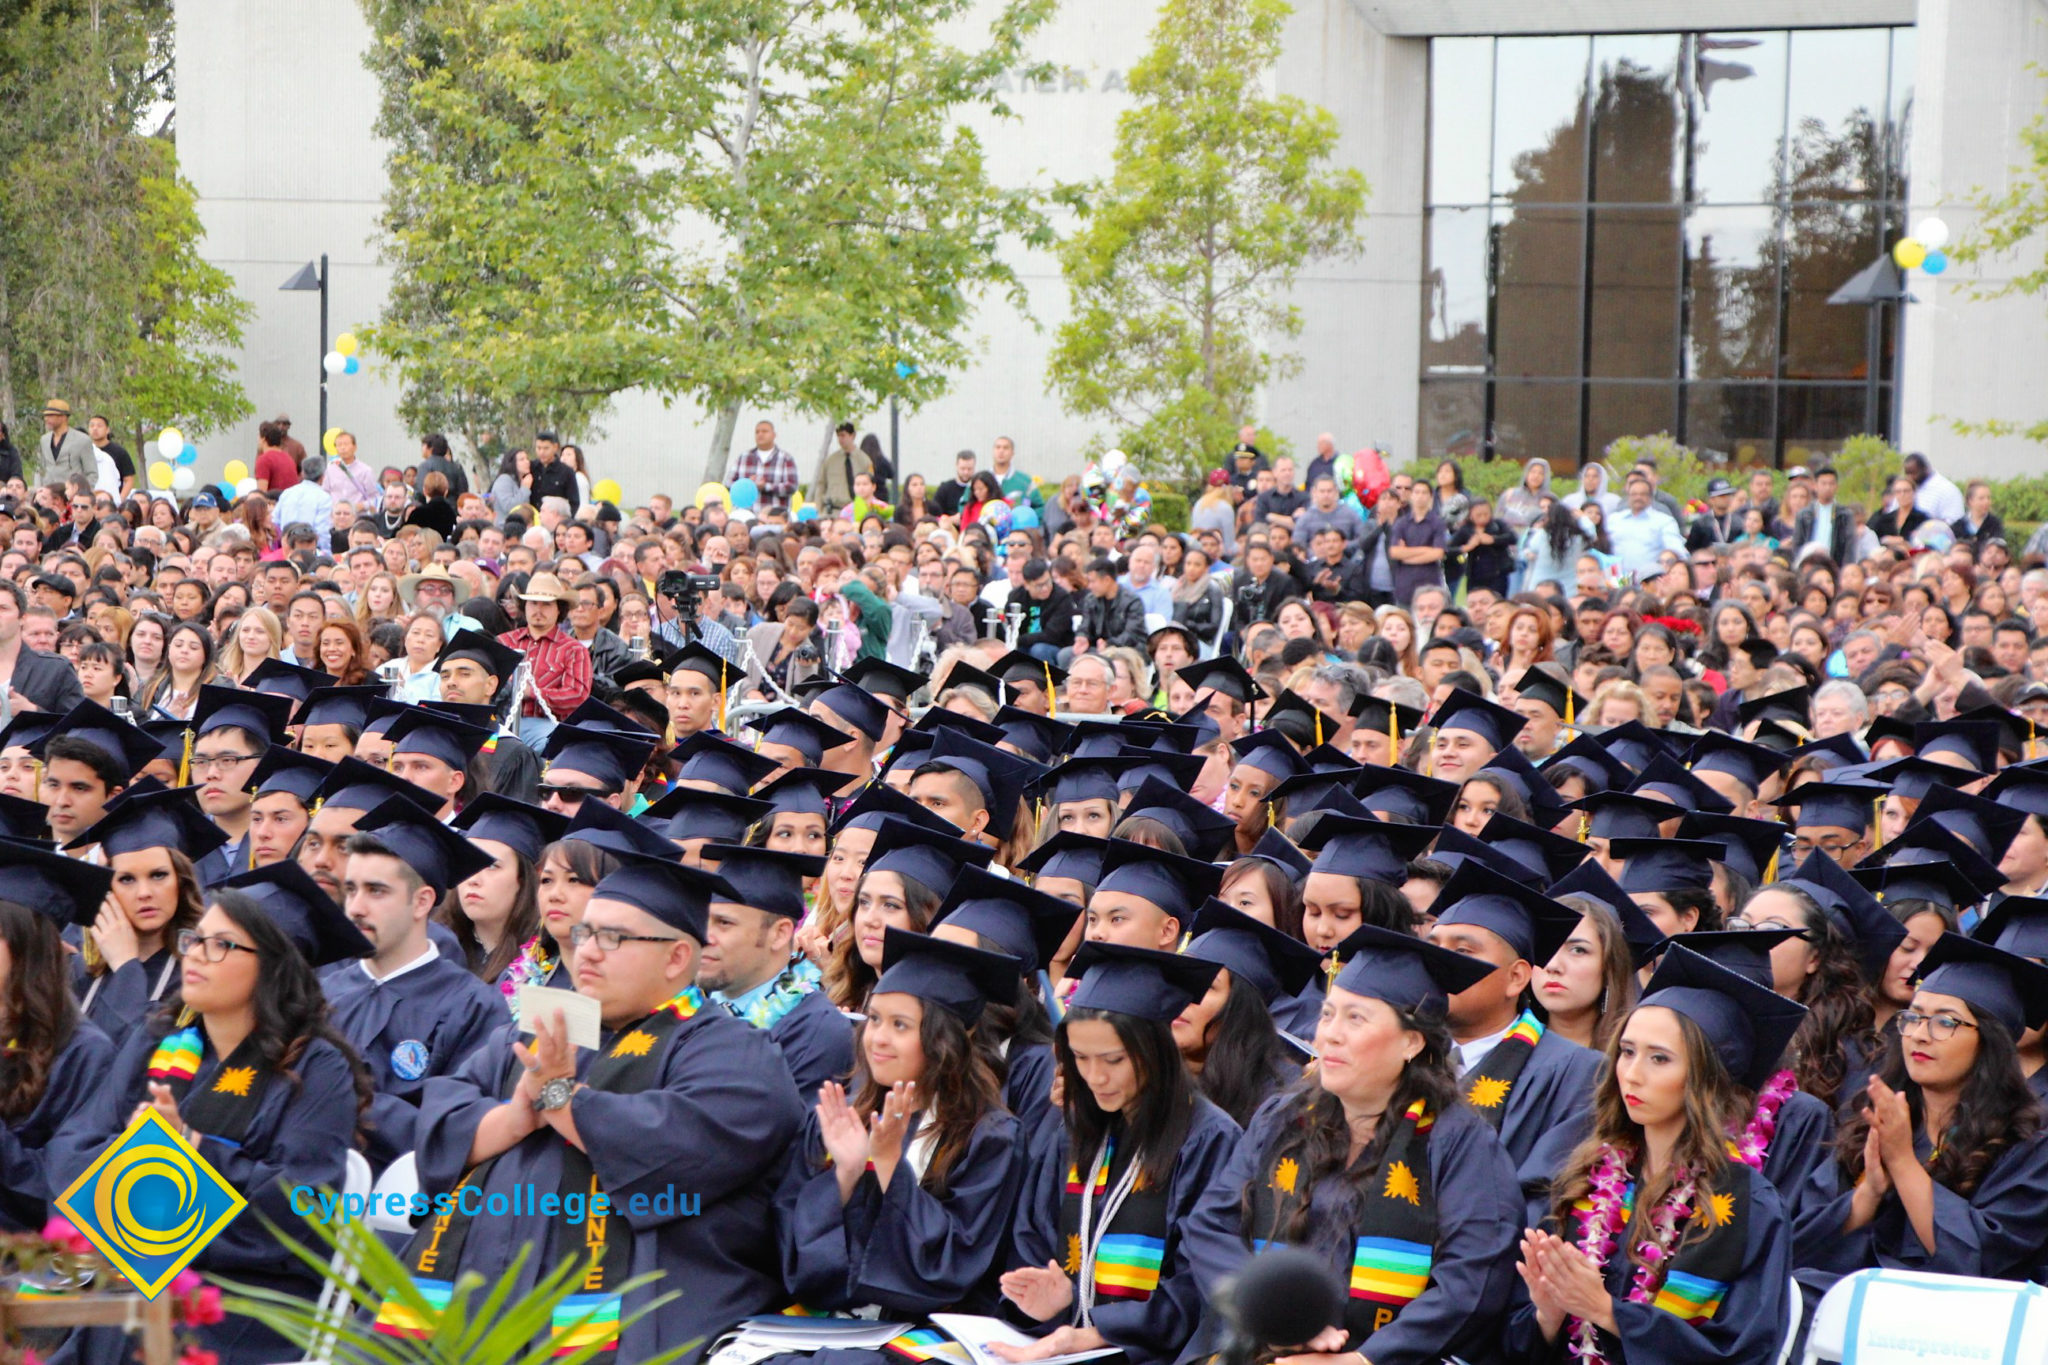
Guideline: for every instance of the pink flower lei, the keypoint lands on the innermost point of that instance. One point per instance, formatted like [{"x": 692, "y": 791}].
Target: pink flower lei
[
  {"x": 1606, "y": 1217},
  {"x": 531, "y": 967}
]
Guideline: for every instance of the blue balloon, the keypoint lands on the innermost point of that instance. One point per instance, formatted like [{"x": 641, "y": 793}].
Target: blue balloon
[
  {"x": 354, "y": 364},
  {"x": 1024, "y": 518},
  {"x": 807, "y": 513},
  {"x": 189, "y": 455},
  {"x": 745, "y": 493},
  {"x": 1935, "y": 263},
  {"x": 227, "y": 490}
]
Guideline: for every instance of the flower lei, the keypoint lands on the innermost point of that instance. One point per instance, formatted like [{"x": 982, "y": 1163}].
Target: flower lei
[
  {"x": 1606, "y": 1217},
  {"x": 532, "y": 967},
  {"x": 784, "y": 994}
]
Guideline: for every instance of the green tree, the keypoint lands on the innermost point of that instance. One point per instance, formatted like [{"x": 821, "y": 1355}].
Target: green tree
[
  {"x": 731, "y": 202},
  {"x": 2013, "y": 221},
  {"x": 1179, "y": 272},
  {"x": 104, "y": 297}
]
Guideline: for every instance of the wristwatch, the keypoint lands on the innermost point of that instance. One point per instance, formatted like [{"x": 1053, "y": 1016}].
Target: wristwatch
[{"x": 555, "y": 1094}]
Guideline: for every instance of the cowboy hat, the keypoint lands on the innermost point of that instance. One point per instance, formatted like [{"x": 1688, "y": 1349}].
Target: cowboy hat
[
  {"x": 408, "y": 586},
  {"x": 545, "y": 587}
]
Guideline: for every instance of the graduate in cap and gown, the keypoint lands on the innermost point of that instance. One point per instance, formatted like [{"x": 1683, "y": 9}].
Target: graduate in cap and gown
[
  {"x": 495, "y": 911},
  {"x": 411, "y": 1012},
  {"x": 1228, "y": 1038},
  {"x": 910, "y": 872},
  {"x": 691, "y": 818},
  {"x": 1521, "y": 1077},
  {"x": 850, "y": 839},
  {"x": 1838, "y": 971},
  {"x": 1944, "y": 1167},
  {"x": 870, "y": 708},
  {"x": 681, "y": 1118},
  {"x": 1360, "y": 864},
  {"x": 903, "y": 1182},
  {"x": 799, "y": 805},
  {"x": 1591, "y": 983},
  {"x": 1470, "y": 730},
  {"x": 129, "y": 955},
  {"x": 330, "y": 720},
  {"x": 749, "y": 967},
  {"x": 232, "y": 730},
  {"x": 981, "y": 789},
  {"x": 710, "y": 762},
  {"x": 1100, "y": 1257},
  {"x": 86, "y": 758},
  {"x": 241, "y": 1060},
  {"x": 58, "y": 1059},
  {"x": 1265, "y": 759},
  {"x": 796, "y": 739},
  {"x": 281, "y": 802},
  {"x": 436, "y": 752},
  {"x": 2019, "y": 925},
  {"x": 474, "y": 669},
  {"x": 1658, "y": 1243},
  {"x": 1266, "y": 885},
  {"x": 600, "y": 758},
  {"x": 1377, "y": 1164},
  {"x": 699, "y": 682}
]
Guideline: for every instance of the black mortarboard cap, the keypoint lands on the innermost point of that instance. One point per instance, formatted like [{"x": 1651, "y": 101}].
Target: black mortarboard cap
[
  {"x": 1221, "y": 674},
  {"x": 801, "y": 731},
  {"x": 1454, "y": 848},
  {"x": 929, "y": 859},
  {"x": 2018, "y": 924},
  {"x": 1312, "y": 791},
  {"x": 498, "y": 660},
  {"x": 441, "y": 857},
  {"x": 1600, "y": 770},
  {"x": 66, "y": 890},
  {"x": 287, "y": 680},
  {"x": 129, "y": 747},
  {"x": 2016, "y": 733},
  {"x": 2006, "y": 986},
  {"x": 1366, "y": 848},
  {"x": 1895, "y": 728},
  {"x": 697, "y": 657},
  {"x": 878, "y": 800},
  {"x": 1082, "y": 779},
  {"x": 911, "y": 749},
  {"x": 1746, "y": 845},
  {"x": 600, "y": 825},
  {"x": 1512, "y": 766},
  {"x": 1928, "y": 863},
  {"x": 165, "y": 818},
  {"x": 1668, "y": 778},
  {"x": 1173, "y": 883},
  {"x": 1539, "y": 685},
  {"x": 1831, "y": 752},
  {"x": 1019, "y": 667},
  {"x": 1140, "y": 982},
  {"x": 1665, "y": 864},
  {"x": 964, "y": 674},
  {"x": 1873, "y": 932},
  {"x": 27, "y": 729},
  {"x": 885, "y": 679},
  {"x": 708, "y": 757},
  {"x": 953, "y": 976},
  {"x": 1529, "y": 922},
  {"x": 1794, "y": 704},
  {"x": 693, "y": 813},
  {"x": 1136, "y": 767},
  {"x": 1281, "y": 851},
  {"x": 801, "y": 791},
  {"x": 1068, "y": 856},
  {"x": 974, "y": 727},
  {"x": 1837, "y": 804},
  {"x": 612, "y": 757},
  {"x": 1039, "y": 738},
  {"x": 441, "y": 737},
  {"x": 524, "y": 828},
  {"x": 1001, "y": 777},
  {"x": 21, "y": 818},
  {"x": 1635, "y": 743},
  {"x": 678, "y": 896},
  {"x": 1749, "y": 764},
  {"x": 1371, "y": 713},
  {"x": 1202, "y": 831},
  {"x": 1397, "y": 791},
  {"x": 1489, "y": 720},
  {"x": 1743, "y": 951},
  {"x": 2023, "y": 787},
  {"x": 263, "y": 714},
  {"x": 356, "y": 785},
  {"x": 1911, "y": 777},
  {"x": 855, "y": 707},
  {"x": 1986, "y": 826},
  {"x": 1974, "y": 741},
  {"x": 1294, "y": 716},
  {"x": 769, "y": 879},
  {"x": 1270, "y": 962},
  {"x": 288, "y": 770},
  {"x": 1547, "y": 855},
  {"x": 348, "y": 706},
  {"x": 1411, "y": 974},
  {"x": 307, "y": 915},
  {"x": 1270, "y": 752},
  {"x": 1103, "y": 738},
  {"x": 1026, "y": 924},
  {"x": 383, "y": 714},
  {"x": 1638, "y": 930},
  {"x": 1749, "y": 1025},
  {"x": 1623, "y": 815}
]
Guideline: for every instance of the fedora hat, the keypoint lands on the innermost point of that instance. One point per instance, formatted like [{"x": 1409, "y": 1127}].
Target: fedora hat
[
  {"x": 56, "y": 407},
  {"x": 545, "y": 587}
]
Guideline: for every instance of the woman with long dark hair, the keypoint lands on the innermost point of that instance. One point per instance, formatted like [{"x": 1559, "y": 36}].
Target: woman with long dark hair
[
  {"x": 495, "y": 912},
  {"x": 1375, "y": 1163},
  {"x": 1817, "y": 967},
  {"x": 1101, "y": 1242},
  {"x": 903, "y": 1190},
  {"x": 909, "y": 874},
  {"x": 1228, "y": 1038},
  {"x": 243, "y": 1062},
  {"x": 1944, "y": 1166},
  {"x": 1551, "y": 549},
  {"x": 567, "y": 871},
  {"x": 1660, "y": 1245},
  {"x": 1589, "y": 985}
]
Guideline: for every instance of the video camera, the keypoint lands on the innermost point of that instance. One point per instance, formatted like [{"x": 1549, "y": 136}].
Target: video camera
[{"x": 684, "y": 590}]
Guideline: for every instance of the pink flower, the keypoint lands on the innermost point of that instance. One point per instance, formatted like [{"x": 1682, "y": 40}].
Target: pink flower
[
  {"x": 202, "y": 1308},
  {"x": 193, "y": 1355},
  {"x": 185, "y": 1282},
  {"x": 61, "y": 1232}
]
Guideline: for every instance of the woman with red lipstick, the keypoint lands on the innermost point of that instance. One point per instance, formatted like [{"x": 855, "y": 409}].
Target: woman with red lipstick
[
  {"x": 1945, "y": 1165},
  {"x": 1660, "y": 1245},
  {"x": 910, "y": 872}
]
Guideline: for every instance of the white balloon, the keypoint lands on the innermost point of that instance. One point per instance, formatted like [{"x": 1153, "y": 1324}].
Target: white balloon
[
  {"x": 245, "y": 488},
  {"x": 1932, "y": 232},
  {"x": 183, "y": 477},
  {"x": 334, "y": 362}
]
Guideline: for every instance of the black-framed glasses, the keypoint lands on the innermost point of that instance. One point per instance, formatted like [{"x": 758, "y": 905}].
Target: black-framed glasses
[
  {"x": 1940, "y": 1027},
  {"x": 211, "y": 948},
  {"x": 610, "y": 939},
  {"x": 573, "y": 795},
  {"x": 208, "y": 762},
  {"x": 1740, "y": 925}
]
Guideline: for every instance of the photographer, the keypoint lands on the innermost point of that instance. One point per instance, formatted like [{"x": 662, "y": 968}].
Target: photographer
[
  {"x": 1258, "y": 587},
  {"x": 1048, "y": 612}
]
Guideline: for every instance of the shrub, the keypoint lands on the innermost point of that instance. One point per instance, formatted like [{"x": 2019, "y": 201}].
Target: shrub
[
  {"x": 1863, "y": 467},
  {"x": 1170, "y": 508},
  {"x": 2022, "y": 499}
]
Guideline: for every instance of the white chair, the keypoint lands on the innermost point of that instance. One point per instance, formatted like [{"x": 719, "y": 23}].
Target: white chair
[
  {"x": 335, "y": 1304},
  {"x": 1936, "y": 1319},
  {"x": 401, "y": 1180},
  {"x": 1210, "y": 649}
]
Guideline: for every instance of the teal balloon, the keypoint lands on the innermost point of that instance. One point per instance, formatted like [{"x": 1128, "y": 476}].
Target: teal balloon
[
  {"x": 354, "y": 365},
  {"x": 227, "y": 490},
  {"x": 807, "y": 513},
  {"x": 745, "y": 492},
  {"x": 189, "y": 455},
  {"x": 1351, "y": 501},
  {"x": 1935, "y": 263}
]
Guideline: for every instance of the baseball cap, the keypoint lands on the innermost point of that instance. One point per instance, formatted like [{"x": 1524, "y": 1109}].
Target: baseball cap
[{"x": 1718, "y": 487}]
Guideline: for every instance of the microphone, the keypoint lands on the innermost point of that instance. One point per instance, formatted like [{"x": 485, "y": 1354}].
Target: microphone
[{"x": 1282, "y": 1297}]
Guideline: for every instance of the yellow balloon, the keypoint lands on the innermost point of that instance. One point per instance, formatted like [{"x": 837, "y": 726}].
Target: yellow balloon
[
  {"x": 713, "y": 491},
  {"x": 1909, "y": 253},
  {"x": 347, "y": 344},
  {"x": 327, "y": 439},
  {"x": 796, "y": 503},
  {"x": 234, "y": 471},
  {"x": 607, "y": 490},
  {"x": 160, "y": 475}
]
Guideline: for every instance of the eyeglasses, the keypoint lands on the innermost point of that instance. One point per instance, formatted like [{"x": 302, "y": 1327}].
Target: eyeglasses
[
  {"x": 573, "y": 795},
  {"x": 208, "y": 762},
  {"x": 1742, "y": 926},
  {"x": 610, "y": 939},
  {"x": 1940, "y": 1027},
  {"x": 1834, "y": 848},
  {"x": 210, "y": 949}
]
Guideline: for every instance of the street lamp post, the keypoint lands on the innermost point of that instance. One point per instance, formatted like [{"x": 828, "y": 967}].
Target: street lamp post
[{"x": 311, "y": 277}]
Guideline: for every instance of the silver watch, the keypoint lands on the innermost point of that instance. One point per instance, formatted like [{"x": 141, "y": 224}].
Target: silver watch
[{"x": 555, "y": 1094}]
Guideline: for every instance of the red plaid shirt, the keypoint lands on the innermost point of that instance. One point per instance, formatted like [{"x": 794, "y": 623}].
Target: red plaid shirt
[
  {"x": 773, "y": 473},
  {"x": 561, "y": 670}
]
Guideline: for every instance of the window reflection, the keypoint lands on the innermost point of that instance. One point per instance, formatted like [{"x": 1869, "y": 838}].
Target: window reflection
[
  {"x": 1536, "y": 419},
  {"x": 1739, "y": 112},
  {"x": 1614, "y": 410},
  {"x": 1539, "y": 126},
  {"x": 1460, "y": 119},
  {"x": 1539, "y": 259},
  {"x": 1837, "y": 110},
  {"x": 1734, "y": 293},
  {"x": 1638, "y": 121},
  {"x": 1454, "y": 291},
  {"x": 1824, "y": 245},
  {"x": 1740, "y": 420},
  {"x": 1634, "y": 321},
  {"x": 1453, "y": 417}
]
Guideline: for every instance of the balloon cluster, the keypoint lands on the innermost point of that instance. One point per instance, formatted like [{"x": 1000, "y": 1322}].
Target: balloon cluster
[
  {"x": 743, "y": 495},
  {"x": 1364, "y": 475},
  {"x": 172, "y": 470},
  {"x": 1923, "y": 250},
  {"x": 343, "y": 358},
  {"x": 1113, "y": 489}
]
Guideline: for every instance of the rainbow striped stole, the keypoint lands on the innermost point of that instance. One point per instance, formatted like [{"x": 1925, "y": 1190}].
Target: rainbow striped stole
[
  {"x": 177, "y": 1057},
  {"x": 1691, "y": 1298},
  {"x": 1488, "y": 1085},
  {"x": 1389, "y": 1270},
  {"x": 1710, "y": 1252},
  {"x": 396, "y": 1319},
  {"x": 1127, "y": 1265},
  {"x": 1528, "y": 1029},
  {"x": 683, "y": 1004},
  {"x": 928, "y": 1343},
  {"x": 584, "y": 1320},
  {"x": 1074, "y": 1184}
]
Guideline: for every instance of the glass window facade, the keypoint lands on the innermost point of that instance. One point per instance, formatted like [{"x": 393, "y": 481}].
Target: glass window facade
[{"x": 1639, "y": 232}]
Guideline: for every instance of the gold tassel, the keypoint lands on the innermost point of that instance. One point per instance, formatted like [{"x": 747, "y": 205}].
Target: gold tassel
[
  {"x": 1187, "y": 937},
  {"x": 1331, "y": 969},
  {"x": 1585, "y": 827},
  {"x": 90, "y": 951},
  {"x": 1319, "y": 725},
  {"x": 1270, "y": 822},
  {"x": 721, "y": 692},
  {"x": 1052, "y": 705},
  {"x": 1876, "y": 823},
  {"x": 1771, "y": 868},
  {"x": 1393, "y": 737},
  {"x": 186, "y": 1016},
  {"x": 185, "y": 762}
]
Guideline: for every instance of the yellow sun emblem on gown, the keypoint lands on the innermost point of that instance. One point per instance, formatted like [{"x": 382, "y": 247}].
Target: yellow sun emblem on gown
[
  {"x": 638, "y": 1043},
  {"x": 1284, "y": 1174},
  {"x": 1487, "y": 1092},
  {"x": 1073, "y": 1255},
  {"x": 235, "y": 1080},
  {"x": 1717, "y": 1212},
  {"x": 1401, "y": 1184}
]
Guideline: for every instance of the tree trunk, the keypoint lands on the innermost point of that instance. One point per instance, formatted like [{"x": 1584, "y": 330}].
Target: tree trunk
[
  {"x": 720, "y": 454},
  {"x": 7, "y": 406}
]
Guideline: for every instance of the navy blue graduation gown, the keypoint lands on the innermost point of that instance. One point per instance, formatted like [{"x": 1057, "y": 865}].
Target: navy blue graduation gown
[
  {"x": 718, "y": 1128},
  {"x": 300, "y": 1135},
  {"x": 1152, "y": 1330},
  {"x": 1298, "y": 1015},
  {"x": 817, "y": 1041},
  {"x": 1745, "y": 1329},
  {"x": 1997, "y": 1232},
  {"x": 2038, "y": 1083},
  {"x": 1479, "y": 1221},
  {"x": 76, "y": 1076},
  {"x": 1027, "y": 1085},
  {"x": 217, "y": 866},
  {"x": 117, "y": 1001},
  {"x": 421, "y": 1024},
  {"x": 907, "y": 1250},
  {"x": 1554, "y": 1089}
]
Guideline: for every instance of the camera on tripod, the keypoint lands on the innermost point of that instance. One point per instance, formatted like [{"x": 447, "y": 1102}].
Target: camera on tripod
[{"x": 685, "y": 590}]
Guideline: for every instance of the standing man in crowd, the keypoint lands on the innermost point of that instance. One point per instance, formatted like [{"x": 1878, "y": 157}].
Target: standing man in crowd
[{"x": 772, "y": 469}]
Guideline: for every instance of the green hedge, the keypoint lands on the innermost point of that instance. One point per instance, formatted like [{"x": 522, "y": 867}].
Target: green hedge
[{"x": 1170, "y": 508}]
